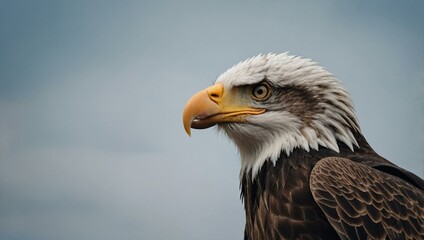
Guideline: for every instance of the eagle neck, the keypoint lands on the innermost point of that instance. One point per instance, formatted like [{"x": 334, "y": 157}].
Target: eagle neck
[{"x": 362, "y": 152}]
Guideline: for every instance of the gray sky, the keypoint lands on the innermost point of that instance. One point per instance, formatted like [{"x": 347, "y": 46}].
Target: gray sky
[{"x": 91, "y": 95}]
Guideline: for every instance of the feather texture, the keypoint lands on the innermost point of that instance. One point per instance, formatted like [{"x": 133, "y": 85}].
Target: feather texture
[
  {"x": 307, "y": 171},
  {"x": 360, "y": 201},
  {"x": 322, "y": 194}
]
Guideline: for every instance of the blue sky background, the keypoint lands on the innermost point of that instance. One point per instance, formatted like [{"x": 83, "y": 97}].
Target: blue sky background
[{"x": 91, "y": 95}]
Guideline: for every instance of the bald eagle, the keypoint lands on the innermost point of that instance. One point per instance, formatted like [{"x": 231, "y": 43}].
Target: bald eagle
[{"x": 307, "y": 171}]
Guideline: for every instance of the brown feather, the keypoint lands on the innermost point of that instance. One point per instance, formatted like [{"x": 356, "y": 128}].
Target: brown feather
[
  {"x": 350, "y": 198},
  {"x": 403, "y": 204}
]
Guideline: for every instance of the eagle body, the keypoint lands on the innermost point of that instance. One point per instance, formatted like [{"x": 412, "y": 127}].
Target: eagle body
[
  {"x": 279, "y": 203},
  {"x": 307, "y": 172}
]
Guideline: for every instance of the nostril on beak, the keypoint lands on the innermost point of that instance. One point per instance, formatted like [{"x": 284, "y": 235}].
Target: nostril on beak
[
  {"x": 215, "y": 97},
  {"x": 215, "y": 93}
]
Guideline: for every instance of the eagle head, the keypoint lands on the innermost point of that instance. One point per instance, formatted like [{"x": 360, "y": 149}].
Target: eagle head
[{"x": 271, "y": 104}]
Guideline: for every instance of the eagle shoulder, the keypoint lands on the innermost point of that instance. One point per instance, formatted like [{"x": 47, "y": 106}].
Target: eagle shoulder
[{"x": 359, "y": 201}]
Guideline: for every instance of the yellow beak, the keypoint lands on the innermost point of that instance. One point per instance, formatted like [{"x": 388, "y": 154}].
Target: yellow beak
[{"x": 213, "y": 105}]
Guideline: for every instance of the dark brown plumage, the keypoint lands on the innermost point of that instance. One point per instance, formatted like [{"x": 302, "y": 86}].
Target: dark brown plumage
[
  {"x": 324, "y": 194},
  {"x": 307, "y": 171}
]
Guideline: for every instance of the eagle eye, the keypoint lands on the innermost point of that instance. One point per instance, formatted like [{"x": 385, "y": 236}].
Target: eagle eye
[{"x": 261, "y": 91}]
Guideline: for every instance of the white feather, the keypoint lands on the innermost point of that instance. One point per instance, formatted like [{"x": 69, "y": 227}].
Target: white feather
[{"x": 264, "y": 137}]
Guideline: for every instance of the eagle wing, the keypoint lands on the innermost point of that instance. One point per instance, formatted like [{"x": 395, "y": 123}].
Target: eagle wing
[{"x": 361, "y": 202}]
